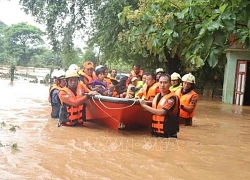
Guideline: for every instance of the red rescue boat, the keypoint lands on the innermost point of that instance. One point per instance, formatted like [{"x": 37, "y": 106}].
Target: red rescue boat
[{"x": 117, "y": 113}]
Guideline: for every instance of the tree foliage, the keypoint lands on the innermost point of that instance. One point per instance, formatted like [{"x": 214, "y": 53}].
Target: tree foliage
[
  {"x": 22, "y": 41},
  {"x": 198, "y": 31}
]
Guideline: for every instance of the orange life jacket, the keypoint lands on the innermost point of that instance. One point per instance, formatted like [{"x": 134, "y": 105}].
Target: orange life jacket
[
  {"x": 70, "y": 115},
  {"x": 108, "y": 80},
  {"x": 152, "y": 91},
  {"x": 168, "y": 124},
  {"x": 185, "y": 100},
  {"x": 132, "y": 73},
  {"x": 88, "y": 80}
]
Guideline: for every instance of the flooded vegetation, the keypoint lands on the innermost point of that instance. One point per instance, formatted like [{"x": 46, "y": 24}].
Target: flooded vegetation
[{"x": 33, "y": 147}]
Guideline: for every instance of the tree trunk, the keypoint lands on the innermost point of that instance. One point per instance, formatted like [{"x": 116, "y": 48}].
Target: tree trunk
[{"x": 172, "y": 64}]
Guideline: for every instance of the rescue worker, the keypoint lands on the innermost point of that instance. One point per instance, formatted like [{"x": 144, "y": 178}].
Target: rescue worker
[
  {"x": 73, "y": 98},
  {"x": 149, "y": 91},
  {"x": 175, "y": 81},
  {"x": 165, "y": 110},
  {"x": 158, "y": 73},
  {"x": 188, "y": 99},
  {"x": 59, "y": 83},
  {"x": 87, "y": 74},
  {"x": 134, "y": 73}
]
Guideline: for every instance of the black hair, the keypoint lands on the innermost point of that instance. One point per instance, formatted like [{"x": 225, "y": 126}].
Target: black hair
[
  {"x": 152, "y": 75},
  {"x": 166, "y": 75},
  {"x": 100, "y": 70}
]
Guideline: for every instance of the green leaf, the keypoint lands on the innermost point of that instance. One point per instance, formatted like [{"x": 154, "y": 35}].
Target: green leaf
[
  {"x": 248, "y": 24},
  {"x": 168, "y": 32},
  {"x": 213, "y": 58},
  {"x": 208, "y": 40},
  {"x": 222, "y": 8}
]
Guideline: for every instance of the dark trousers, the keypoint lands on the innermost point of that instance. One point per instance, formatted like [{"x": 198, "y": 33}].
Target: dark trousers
[{"x": 186, "y": 121}]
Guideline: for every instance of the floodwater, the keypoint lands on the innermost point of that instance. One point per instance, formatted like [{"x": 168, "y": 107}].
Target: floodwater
[{"x": 217, "y": 146}]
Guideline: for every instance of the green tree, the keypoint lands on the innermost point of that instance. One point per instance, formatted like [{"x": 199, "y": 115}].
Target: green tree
[
  {"x": 195, "y": 31},
  {"x": 22, "y": 41},
  {"x": 2, "y": 51}
]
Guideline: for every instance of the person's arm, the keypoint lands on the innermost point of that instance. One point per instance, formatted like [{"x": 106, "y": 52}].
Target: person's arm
[
  {"x": 64, "y": 97},
  {"x": 161, "y": 112},
  {"x": 192, "y": 104}
]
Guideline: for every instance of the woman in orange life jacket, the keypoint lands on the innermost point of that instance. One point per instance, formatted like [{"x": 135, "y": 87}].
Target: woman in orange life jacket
[
  {"x": 73, "y": 98},
  {"x": 87, "y": 74},
  {"x": 188, "y": 99},
  {"x": 165, "y": 110},
  {"x": 59, "y": 83}
]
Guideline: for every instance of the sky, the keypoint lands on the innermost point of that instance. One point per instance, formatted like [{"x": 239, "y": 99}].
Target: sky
[{"x": 11, "y": 13}]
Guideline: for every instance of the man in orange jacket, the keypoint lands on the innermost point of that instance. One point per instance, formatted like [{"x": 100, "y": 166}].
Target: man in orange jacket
[
  {"x": 188, "y": 99},
  {"x": 73, "y": 98},
  {"x": 165, "y": 110},
  {"x": 87, "y": 74}
]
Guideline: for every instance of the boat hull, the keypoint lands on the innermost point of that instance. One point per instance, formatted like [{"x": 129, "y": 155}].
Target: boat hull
[{"x": 117, "y": 113}]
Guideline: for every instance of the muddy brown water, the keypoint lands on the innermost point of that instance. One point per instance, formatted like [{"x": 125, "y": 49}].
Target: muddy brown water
[{"x": 216, "y": 147}]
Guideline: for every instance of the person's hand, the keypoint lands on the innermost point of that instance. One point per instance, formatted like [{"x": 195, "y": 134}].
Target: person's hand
[
  {"x": 92, "y": 93},
  {"x": 142, "y": 102}
]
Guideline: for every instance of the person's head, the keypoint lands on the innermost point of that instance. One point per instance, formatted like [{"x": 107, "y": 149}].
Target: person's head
[
  {"x": 158, "y": 73},
  {"x": 137, "y": 69},
  {"x": 113, "y": 73},
  {"x": 88, "y": 67},
  {"x": 150, "y": 79},
  {"x": 188, "y": 81},
  {"x": 59, "y": 78},
  {"x": 139, "y": 77},
  {"x": 100, "y": 73},
  {"x": 72, "y": 78},
  {"x": 175, "y": 79},
  {"x": 164, "y": 83},
  {"x": 144, "y": 76}
]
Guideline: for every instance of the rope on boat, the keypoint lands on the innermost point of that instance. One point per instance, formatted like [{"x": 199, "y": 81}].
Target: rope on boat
[
  {"x": 120, "y": 124},
  {"x": 114, "y": 108}
]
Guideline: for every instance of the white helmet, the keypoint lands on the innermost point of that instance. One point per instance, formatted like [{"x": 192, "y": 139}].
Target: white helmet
[
  {"x": 60, "y": 74},
  {"x": 54, "y": 74},
  {"x": 74, "y": 67},
  {"x": 159, "y": 70},
  {"x": 175, "y": 76},
  {"x": 100, "y": 66},
  {"x": 188, "y": 78},
  {"x": 71, "y": 73}
]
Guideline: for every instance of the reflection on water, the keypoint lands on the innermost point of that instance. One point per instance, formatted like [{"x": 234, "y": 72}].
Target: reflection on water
[{"x": 216, "y": 147}]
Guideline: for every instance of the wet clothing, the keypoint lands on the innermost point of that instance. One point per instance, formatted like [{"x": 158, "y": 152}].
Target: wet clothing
[
  {"x": 72, "y": 115},
  {"x": 188, "y": 101},
  {"x": 167, "y": 125},
  {"x": 54, "y": 100},
  {"x": 101, "y": 86}
]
